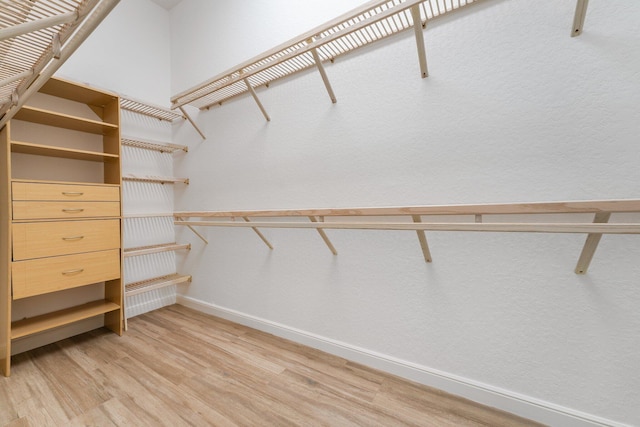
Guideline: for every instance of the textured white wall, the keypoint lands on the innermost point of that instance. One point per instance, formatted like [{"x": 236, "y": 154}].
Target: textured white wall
[
  {"x": 128, "y": 53},
  {"x": 514, "y": 110}
]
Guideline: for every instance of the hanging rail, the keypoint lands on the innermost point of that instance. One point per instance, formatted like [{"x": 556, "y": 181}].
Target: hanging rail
[
  {"x": 594, "y": 230},
  {"x": 368, "y": 23}
]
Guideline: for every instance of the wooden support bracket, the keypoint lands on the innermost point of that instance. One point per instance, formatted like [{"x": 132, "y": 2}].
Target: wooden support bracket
[
  {"x": 423, "y": 240},
  {"x": 264, "y": 239},
  {"x": 193, "y": 123},
  {"x": 255, "y": 98},
  {"x": 591, "y": 244},
  {"x": 323, "y": 73},
  {"x": 324, "y": 237},
  {"x": 195, "y": 232},
  {"x": 417, "y": 28},
  {"x": 579, "y": 17}
]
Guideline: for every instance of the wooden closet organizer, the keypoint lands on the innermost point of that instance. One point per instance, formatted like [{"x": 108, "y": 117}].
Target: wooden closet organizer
[
  {"x": 36, "y": 38},
  {"x": 411, "y": 218},
  {"x": 369, "y": 23},
  {"x": 166, "y": 115},
  {"x": 60, "y": 234}
]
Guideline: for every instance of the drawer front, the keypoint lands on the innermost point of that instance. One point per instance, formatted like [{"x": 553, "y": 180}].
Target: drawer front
[
  {"x": 45, "y": 239},
  {"x": 62, "y": 192},
  {"x": 41, "y": 276},
  {"x": 64, "y": 210}
]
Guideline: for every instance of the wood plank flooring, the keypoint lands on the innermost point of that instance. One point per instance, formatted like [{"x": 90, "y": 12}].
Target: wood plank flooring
[{"x": 178, "y": 367}]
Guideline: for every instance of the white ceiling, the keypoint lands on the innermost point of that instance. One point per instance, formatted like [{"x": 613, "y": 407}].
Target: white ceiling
[{"x": 167, "y": 4}]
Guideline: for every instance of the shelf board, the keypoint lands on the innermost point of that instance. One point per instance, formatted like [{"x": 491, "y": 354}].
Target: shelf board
[
  {"x": 62, "y": 152},
  {"x": 46, "y": 181},
  {"x": 147, "y": 215},
  {"x": 154, "y": 249},
  {"x": 61, "y": 88},
  {"x": 33, "y": 325},
  {"x": 154, "y": 146},
  {"x": 52, "y": 118},
  {"x": 150, "y": 110},
  {"x": 155, "y": 283},
  {"x": 155, "y": 179}
]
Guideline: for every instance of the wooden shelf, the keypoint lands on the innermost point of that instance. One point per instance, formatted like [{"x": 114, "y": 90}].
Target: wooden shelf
[
  {"x": 410, "y": 218},
  {"x": 52, "y": 118},
  {"x": 150, "y": 110},
  {"x": 154, "y": 146},
  {"x": 62, "y": 88},
  {"x": 66, "y": 153},
  {"x": 155, "y": 283},
  {"x": 33, "y": 325},
  {"x": 371, "y": 22},
  {"x": 154, "y": 249},
  {"x": 155, "y": 179}
]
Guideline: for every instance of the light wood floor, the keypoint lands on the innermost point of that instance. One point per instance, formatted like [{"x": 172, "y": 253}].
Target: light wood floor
[{"x": 176, "y": 367}]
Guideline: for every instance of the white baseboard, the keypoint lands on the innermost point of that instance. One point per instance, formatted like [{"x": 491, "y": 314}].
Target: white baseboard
[{"x": 515, "y": 403}]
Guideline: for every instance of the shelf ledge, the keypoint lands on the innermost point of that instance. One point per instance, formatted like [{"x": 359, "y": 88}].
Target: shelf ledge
[
  {"x": 412, "y": 215},
  {"x": 33, "y": 325},
  {"x": 154, "y": 146},
  {"x": 154, "y": 249},
  {"x": 155, "y": 179},
  {"x": 61, "y": 152},
  {"x": 155, "y": 283}
]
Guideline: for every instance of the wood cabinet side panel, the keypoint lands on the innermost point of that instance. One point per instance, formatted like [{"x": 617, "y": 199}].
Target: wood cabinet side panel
[{"x": 5, "y": 250}]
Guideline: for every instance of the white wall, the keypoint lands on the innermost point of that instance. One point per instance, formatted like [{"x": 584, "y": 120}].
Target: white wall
[
  {"x": 128, "y": 53},
  {"x": 514, "y": 110}
]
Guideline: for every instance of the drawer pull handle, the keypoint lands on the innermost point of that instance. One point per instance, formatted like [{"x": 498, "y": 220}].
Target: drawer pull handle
[
  {"x": 72, "y": 193},
  {"x": 76, "y": 271},
  {"x": 73, "y": 210},
  {"x": 67, "y": 239}
]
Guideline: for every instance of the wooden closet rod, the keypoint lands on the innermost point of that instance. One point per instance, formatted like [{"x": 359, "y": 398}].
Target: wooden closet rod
[
  {"x": 413, "y": 214},
  {"x": 566, "y": 207}
]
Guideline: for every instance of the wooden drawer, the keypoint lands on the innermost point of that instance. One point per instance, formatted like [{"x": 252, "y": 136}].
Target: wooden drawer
[
  {"x": 45, "y": 239},
  {"x": 41, "y": 276},
  {"x": 62, "y": 192},
  {"x": 64, "y": 210}
]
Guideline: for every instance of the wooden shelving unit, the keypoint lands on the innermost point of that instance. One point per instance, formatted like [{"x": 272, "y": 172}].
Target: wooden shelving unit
[
  {"x": 65, "y": 153},
  {"x": 38, "y": 37},
  {"x": 410, "y": 218},
  {"x": 367, "y": 24},
  {"x": 162, "y": 114},
  {"x": 60, "y": 234},
  {"x": 34, "y": 325}
]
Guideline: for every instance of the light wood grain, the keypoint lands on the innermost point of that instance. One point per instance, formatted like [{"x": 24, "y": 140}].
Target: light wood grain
[
  {"x": 47, "y": 321},
  {"x": 61, "y": 120},
  {"x": 44, "y": 275},
  {"x": 64, "y": 210},
  {"x": 591, "y": 244},
  {"x": 5, "y": 249},
  {"x": 78, "y": 92},
  {"x": 176, "y": 366},
  {"x": 582, "y": 206},
  {"x": 44, "y": 239},
  {"x": 41, "y": 191}
]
